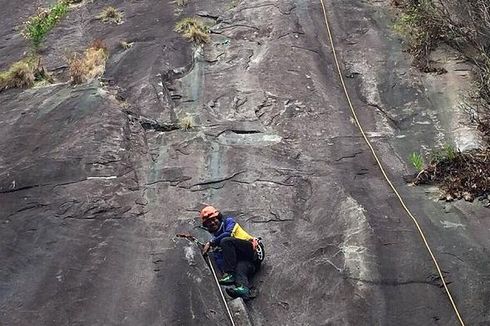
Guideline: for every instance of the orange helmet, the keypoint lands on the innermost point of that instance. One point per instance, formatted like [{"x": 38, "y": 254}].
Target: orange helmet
[{"x": 208, "y": 212}]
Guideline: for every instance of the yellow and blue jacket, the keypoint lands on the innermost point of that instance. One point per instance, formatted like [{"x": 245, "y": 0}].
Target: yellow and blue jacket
[{"x": 228, "y": 228}]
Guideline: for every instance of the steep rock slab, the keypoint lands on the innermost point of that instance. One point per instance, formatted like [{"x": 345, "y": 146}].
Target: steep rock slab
[{"x": 273, "y": 145}]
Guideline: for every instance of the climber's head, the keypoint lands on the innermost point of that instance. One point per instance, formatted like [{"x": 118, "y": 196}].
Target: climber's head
[{"x": 211, "y": 218}]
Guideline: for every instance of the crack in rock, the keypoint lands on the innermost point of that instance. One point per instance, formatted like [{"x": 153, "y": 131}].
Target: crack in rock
[
  {"x": 149, "y": 124},
  {"x": 238, "y": 132},
  {"x": 395, "y": 122},
  {"x": 394, "y": 282},
  {"x": 220, "y": 182},
  {"x": 205, "y": 14},
  {"x": 235, "y": 26},
  {"x": 284, "y": 9},
  {"x": 305, "y": 49},
  {"x": 294, "y": 33},
  {"x": 349, "y": 156}
]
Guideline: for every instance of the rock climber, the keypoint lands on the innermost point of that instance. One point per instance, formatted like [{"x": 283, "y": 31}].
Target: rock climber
[{"x": 237, "y": 254}]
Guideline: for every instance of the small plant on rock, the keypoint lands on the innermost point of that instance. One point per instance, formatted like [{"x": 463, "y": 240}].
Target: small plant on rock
[
  {"x": 126, "y": 45},
  {"x": 43, "y": 21},
  {"x": 19, "y": 75},
  {"x": 193, "y": 29},
  {"x": 111, "y": 15},
  {"x": 89, "y": 65},
  {"x": 446, "y": 153},
  {"x": 186, "y": 122},
  {"x": 24, "y": 74},
  {"x": 422, "y": 30},
  {"x": 181, "y": 3},
  {"x": 417, "y": 161}
]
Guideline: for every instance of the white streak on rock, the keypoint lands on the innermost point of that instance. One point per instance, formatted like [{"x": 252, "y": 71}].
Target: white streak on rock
[
  {"x": 452, "y": 225},
  {"x": 356, "y": 238},
  {"x": 105, "y": 178},
  {"x": 190, "y": 255}
]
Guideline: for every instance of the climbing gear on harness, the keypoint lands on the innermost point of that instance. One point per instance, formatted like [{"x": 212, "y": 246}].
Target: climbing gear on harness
[
  {"x": 208, "y": 212},
  {"x": 238, "y": 291},
  {"x": 227, "y": 279},
  {"x": 259, "y": 249}
]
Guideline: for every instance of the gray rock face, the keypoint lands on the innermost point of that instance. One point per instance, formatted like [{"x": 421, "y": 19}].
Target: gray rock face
[{"x": 96, "y": 180}]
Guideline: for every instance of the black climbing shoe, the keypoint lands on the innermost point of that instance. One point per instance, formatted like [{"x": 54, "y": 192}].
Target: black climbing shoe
[
  {"x": 227, "y": 279},
  {"x": 238, "y": 291}
]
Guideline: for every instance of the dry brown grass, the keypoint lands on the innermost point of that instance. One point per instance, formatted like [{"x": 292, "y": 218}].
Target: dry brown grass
[
  {"x": 186, "y": 122},
  {"x": 111, "y": 15},
  {"x": 126, "y": 45},
  {"x": 19, "y": 75},
  {"x": 181, "y": 3},
  {"x": 193, "y": 29},
  {"x": 89, "y": 65},
  {"x": 24, "y": 74}
]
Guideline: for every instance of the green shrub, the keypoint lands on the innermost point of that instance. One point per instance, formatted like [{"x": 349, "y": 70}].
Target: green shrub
[
  {"x": 422, "y": 30},
  {"x": 39, "y": 25},
  {"x": 409, "y": 26},
  {"x": 446, "y": 153}
]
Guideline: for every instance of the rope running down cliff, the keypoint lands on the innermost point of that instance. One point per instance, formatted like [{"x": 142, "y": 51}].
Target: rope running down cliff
[{"x": 414, "y": 219}]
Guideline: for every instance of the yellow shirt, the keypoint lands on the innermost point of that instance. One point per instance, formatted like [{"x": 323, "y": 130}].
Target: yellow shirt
[{"x": 240, "y": 233}]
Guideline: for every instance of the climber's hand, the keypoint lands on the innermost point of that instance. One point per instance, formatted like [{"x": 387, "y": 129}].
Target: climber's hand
[{"x": 206, "y": 248}]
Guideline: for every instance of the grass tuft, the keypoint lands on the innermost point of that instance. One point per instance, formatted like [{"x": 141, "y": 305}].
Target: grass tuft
[
  {"x": 181, "y": 3},
  {"x": 446, "y": 153},
  {"x": 36, "y": 27},
  {"x": 193, "y": 29},
  {"x": 186, "y": 122},
  {"x": 19, "y": 75},
  {"x": 126, "y": 45},
  {"x": 111, "y": 15},
  {"x": 89, "y": 65},
  {"x": 417, "y": 161},
  {"x": 24, "y": 74}
]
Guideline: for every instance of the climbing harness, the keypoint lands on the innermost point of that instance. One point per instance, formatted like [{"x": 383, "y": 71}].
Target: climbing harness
[
  {"x": 211, "y": 267},
  {"x": 414, "y": 219}
]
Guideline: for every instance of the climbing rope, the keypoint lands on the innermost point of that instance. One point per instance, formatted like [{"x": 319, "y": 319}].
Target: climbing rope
[
  {"x": 208, "y": 261},
  {"x": 210, "y": 264},
  {"x": 419, "y": 229}
]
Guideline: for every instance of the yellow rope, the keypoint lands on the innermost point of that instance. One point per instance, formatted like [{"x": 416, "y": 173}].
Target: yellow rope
[{"x": 422, "y": 235}]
